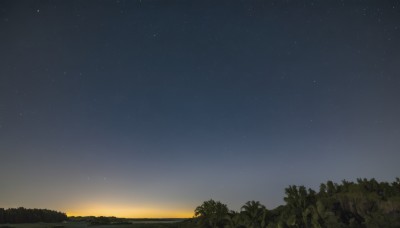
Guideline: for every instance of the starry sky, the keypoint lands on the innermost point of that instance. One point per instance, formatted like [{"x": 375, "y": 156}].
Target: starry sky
[{"x": 148, "y": 108}]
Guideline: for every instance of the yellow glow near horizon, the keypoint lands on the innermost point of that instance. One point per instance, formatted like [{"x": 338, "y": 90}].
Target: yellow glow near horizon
[{"x": 129, "y": 212}]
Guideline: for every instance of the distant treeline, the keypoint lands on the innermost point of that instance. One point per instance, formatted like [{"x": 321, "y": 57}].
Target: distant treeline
[
  {"x": 365, "y": 203},
  {"x": 101, "y": 220},
  {"x": 24, "y": 215}
]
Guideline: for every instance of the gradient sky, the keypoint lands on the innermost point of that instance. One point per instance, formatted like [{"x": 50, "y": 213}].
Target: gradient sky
[{"x": 148, "y": 108}]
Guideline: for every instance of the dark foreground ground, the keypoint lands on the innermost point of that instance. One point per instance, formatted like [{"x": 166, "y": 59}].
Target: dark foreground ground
[{"x": 149, "y": 224}]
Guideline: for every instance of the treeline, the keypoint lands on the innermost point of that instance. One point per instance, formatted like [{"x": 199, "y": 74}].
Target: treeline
[
  {"x": 101, "y": 220},
  {"x": 365, "y": 203},
  {"x": 24, "y": 215}
]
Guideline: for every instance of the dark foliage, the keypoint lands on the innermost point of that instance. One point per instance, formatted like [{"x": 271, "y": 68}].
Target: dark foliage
[
  {"x": 365, "y": 203},
  {"x": 23, "y": 215},
  {"x": 211, "y": 213}
]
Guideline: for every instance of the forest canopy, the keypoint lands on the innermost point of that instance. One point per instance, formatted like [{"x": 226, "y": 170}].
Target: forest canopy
[{"x": 364, "y": 203}]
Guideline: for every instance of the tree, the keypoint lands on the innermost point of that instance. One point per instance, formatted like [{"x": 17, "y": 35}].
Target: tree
[
  {"x": 253, "y": 212},
  {"x": 365, "y": 203},
  {"x": 24, "y": 215},
  {"x": 211, "y": 214},
  {"x": 2, "y": 214},
  {"x": 235, "y": 220}
]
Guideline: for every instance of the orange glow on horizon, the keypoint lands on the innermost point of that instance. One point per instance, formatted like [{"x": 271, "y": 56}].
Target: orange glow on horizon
[{"x": 129, "y": 212}]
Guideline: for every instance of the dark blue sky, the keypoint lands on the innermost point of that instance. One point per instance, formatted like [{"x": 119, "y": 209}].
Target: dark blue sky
[{"x": 147, "y": 108}]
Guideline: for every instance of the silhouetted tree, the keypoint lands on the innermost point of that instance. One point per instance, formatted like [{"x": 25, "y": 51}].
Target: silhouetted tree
[
  {"x": 2, "y": 214},
  {"x": 361, "y": 204},
  {"x": 23, "y": 215},
  {"x": 235, "y": 220},
  {"x": 253, "y": 212},
  {"x": 212, "y": 214}
]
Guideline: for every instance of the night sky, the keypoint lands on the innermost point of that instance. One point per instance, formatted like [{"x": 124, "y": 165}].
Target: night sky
[{"x": 148, "y": 108}]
